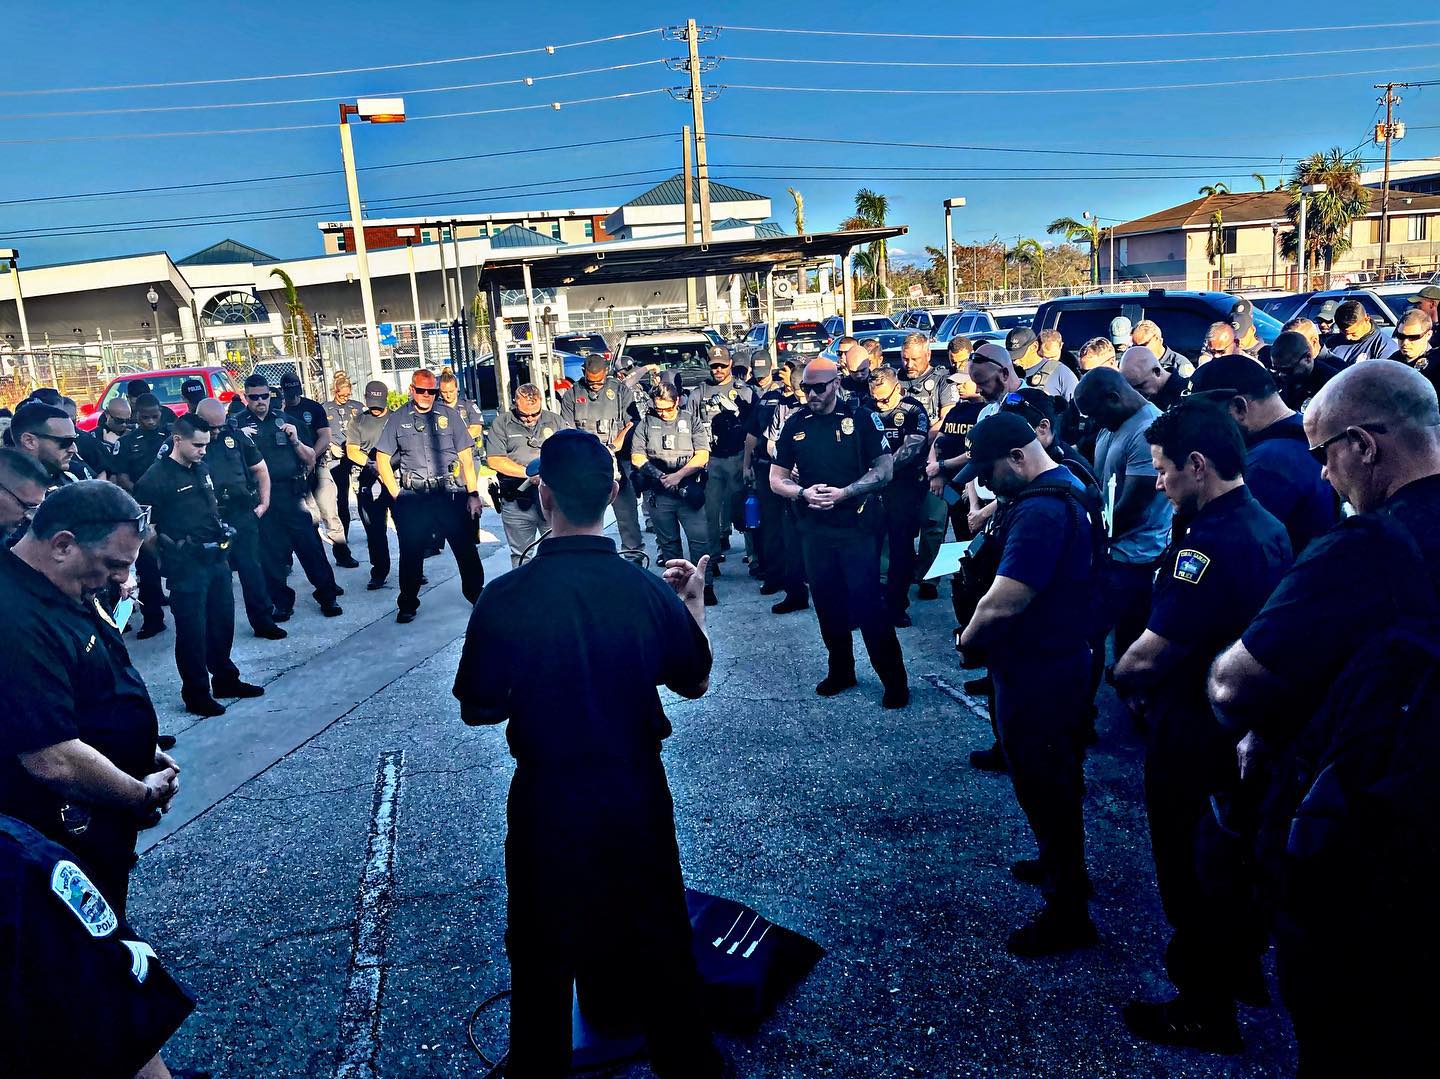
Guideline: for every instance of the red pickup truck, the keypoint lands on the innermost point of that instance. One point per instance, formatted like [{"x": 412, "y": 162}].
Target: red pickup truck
[{"x": 164, "y": 385}]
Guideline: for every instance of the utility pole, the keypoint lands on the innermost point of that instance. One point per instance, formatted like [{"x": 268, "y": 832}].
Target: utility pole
[
  {"x": 692, "y": 315},
  {"x": 1387, "y": 134},
  {"x": 697, "y": 105}
]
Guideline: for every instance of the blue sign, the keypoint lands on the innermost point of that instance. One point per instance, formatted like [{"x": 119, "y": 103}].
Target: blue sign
[{"x": 387, "y": 333}]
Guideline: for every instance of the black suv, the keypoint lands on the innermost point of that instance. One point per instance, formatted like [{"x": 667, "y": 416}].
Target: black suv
[{"x": 1183, "y": 317}]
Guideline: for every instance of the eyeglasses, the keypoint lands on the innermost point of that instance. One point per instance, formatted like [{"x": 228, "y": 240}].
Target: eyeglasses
[
  {"x": 529, "y": 415},
  {"x": 808, "y": 388},
  {"x": 28, "y": 508},
  {"x": 1410, "y": 336},
  {"x": 257, "y": 397},
  {"x": 1217, "y": 350},
  {"x": 425, "y": 391},
  {"x": 1321, "y": 452},
  {"x": 65, "y": 442}
]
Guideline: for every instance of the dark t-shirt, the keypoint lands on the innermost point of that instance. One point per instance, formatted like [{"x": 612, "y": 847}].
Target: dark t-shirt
[
  {"x": 1286, "y": 480},
  {"x": 309, "y": 418},
  {"x": 835, "y": 449},
  {"x": 1170, "y": 395},
  {"x": 1348, "y": 583},
  {"x": 907, "y": 418},
  {"x": 953, "y": 439},
  {"x": 621, "y": 631}
]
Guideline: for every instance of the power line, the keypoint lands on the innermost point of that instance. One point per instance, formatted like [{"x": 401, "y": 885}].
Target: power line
[
  {"x": 527, "y": 80},
  {"x": 1077, "y": 37},
  {"x": 547, "y": 49},
  {"x": 553, "y": 105},
  {"x": 1068, "y": 63},
  {"x": 335, "y": 172},
  {"x": 1052, "y": 91}
]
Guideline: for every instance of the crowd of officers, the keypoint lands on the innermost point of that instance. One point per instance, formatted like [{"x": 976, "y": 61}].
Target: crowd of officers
[{"x": 1173, "y": 528}]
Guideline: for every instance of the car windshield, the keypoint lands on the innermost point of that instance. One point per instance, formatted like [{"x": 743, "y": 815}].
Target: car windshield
[
  {"x": 581, "y": 343},
  {"x": 1010, "y": 322},
  {"x": 871, "y": 325},
  {"x": 668, "y": 354},
  {"x": 165, "y": 387},
  {"x": 803, "y": 330}
]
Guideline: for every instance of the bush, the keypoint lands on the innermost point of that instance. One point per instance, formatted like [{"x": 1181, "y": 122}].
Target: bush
[{"x": 397, "y": 400}]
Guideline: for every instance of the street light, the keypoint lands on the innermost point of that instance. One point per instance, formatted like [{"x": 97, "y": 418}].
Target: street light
[
  {"x": 950, "y": 204},
  {"x": 153, "y": 299},
  {"x": 374, "y": 110},
  {"x": 11, "y": 255},
  {"x": 1301, "y": 255}
]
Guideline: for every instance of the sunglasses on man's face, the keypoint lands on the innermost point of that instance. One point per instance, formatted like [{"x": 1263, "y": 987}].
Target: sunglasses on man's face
[
  {"x": 65, "y": 442},
  {"x": 808, "y": 388},
  {"x": 257, "y": 397},
  {"x": 426, "y": 391},
  {"x": 528, "y": 416},
  {"x": 1410, "y": 336}
]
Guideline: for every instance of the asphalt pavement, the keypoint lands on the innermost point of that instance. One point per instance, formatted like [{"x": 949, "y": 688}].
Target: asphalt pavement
[{"x": 330, "y": 882}]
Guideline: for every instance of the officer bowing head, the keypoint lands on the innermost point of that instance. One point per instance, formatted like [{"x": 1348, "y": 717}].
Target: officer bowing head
[
  {"x": 290, "y": 388},
  {"x": 575, "y": 477},
  {"x": 147, "y": 412},
  {"x": 424, "y": 388},
  {"x": 211, "y": 413},
  {"x": 529, "y": 405},
  {"x": 820, "y": 386},
  {"x": 84, "y": 537},
  {"x": 193, "y": 391},
  {"x": 857, "y": 367},
  {"x": 23, "y": 481},
  {"x": 189, "y": 440},
  {"x": 1373, "y": 427},
  {"x": 1005, "y": 454},
  {"x": 377, "y": 398},
  {"x": 1105, "y": 397},
  {"x": 1198, "y": 452},
  {"x": 915, "y": 353},
  {"x": 596, "y": 370},
  {"x": 666, "y": 398}
]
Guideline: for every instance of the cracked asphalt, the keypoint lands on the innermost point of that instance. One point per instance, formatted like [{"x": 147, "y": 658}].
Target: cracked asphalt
[{"x": 864, "y": 829}]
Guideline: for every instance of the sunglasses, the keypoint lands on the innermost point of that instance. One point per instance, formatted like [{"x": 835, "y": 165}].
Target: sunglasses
[
  {"x": 257, "y": 397},
  {"x": 429, "y": 391},
  {"x": 65, "y": 442},
  {"x": 529, "y": 415},
  {"x": 1410, "y": 336},
  {"x": 808, "y": 388},
  {"x": 1321, "y": 453},
  {"x": 719, "y": 367},
  {"x": 29, "y": 508}
]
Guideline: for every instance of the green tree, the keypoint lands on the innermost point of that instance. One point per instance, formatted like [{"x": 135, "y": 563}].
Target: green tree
[
  {"x": 1330, "y": 215},
  {"x": 1215, "y": 241},
  {"x": 1074, "y": 231},
  {"x": 1264, "y": 184},
  {"x": 1030, "y": 252},
  {"x": 298, "y": 319},
  {"x": 801, "y": 284},
  {"x": 871, "y": 208}
]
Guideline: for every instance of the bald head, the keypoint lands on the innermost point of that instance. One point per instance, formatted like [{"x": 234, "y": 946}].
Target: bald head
[
  {"x": 820, "y": 368},
  {"x": 211, "y": 412},
  {"x": 1141, "y": 368},
  {"x": 1220, "y": 339},
  {"x": 119, "y": 407},
  {"x": 1105, "y": 396},
  {"x": 1392, "y": 394},
  {"x": 856, "y": 359}
]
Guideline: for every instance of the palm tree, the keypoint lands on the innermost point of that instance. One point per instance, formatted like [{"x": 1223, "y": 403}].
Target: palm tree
[
  {"x": 1215, "y": 242},
  {"x": 865, "y": 274},
  {"x": 872, "y": 208},
  {"x": 1030, "y": 252},
  {"x": 1264, "y": 184},
  {"x": 299, "y": 320},
  {"x": 1075, "y": 231},
  {"x": 800, "y": 282},
  {"x": 1218, "y": 188},
  {"x": 1329, "y": 216}
]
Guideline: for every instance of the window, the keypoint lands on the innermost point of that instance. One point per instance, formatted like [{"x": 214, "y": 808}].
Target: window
[
  {"x": 445, "y": 234},
  {"x": 1078, "y": 324},
  {"x": 1229, "y": 242},
  {"x": 341, "y": 242},
  {"x": 589, "y": 230},
  {"x": 1417, "y": 227},
  {"x": 426, "y": 236},
  {"x": 1184, "y": 331},
  {"x": 233, "y": 309},
  {"x": 554, "y": 230}
]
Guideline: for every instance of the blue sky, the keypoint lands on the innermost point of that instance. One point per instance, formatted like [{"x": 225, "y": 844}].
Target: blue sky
[{"x": 1227, "y": 131}]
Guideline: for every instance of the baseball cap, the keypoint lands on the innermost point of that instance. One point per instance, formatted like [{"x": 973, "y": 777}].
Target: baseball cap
[
  {"x": 193, "y": 388},
  {"x": 990, "y": 352},
  {"x": 1233, "y": 374},
  {"x": 1242, "y": 316},
  {"x": 1018, "y": 340},
  {"x": 716, "y": 354},
  {"x": 991, "y": 439},
  {"x": 289, "y": 380},
  {"x": 573, "y": 461},
  {"x": 376, "y": 394},
  {"x": 1030, "y": 403},
  {"x": 1327, "y": 311},
  {"x": 596, "y": 363},
  {"x": 1429, "y": 292},
  {"x": 761, "y": 364},
  {"x": 1121, "y": 329}
]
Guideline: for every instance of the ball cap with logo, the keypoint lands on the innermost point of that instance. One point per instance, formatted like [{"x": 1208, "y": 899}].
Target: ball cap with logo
[
  {"x": 376, "y": 395},
  {"x": 289, "y": 381},
  {"x": 1122, "y": 330},
  {"x": 1018, "y": 340},
  {"x": 991, "y": 439},
  {"x": 573, "y": 461},
  {"x": 761, "y": 364},
  {"x": 1242, "y": 316},
  {"x": 192, "y": 389}
]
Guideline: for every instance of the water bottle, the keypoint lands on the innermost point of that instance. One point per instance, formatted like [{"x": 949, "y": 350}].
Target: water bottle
[{"x": 752, "y": 511}]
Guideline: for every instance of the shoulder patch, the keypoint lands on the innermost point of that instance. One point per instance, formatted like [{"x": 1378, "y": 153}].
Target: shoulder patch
[
  {"x": 1190, "y": 565},
  {"x": 879, "y": 424},
  {"x": 69, "y": 882},
  {"x": 442, "y": 421}
]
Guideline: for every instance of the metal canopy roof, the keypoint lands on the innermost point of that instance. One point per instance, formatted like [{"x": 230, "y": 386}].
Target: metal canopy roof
[{"x": 604, "y": 264}]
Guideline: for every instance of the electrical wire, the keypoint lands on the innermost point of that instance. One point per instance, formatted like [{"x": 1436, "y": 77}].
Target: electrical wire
[
  {"x": 1069, "y": 63},
  {"x": 1077, "y": 37},
  {"x": 553, "y": 105},
  {"x": 1052, "y": 91},
  {"x": 547, "y": 49},
  {"x": 330, "y": 98}
]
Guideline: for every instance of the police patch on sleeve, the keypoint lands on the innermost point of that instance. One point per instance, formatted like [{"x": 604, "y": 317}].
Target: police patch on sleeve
[
  {"x": 879, "y": 423},
  {"x": 70, "y": 883},
  {"x": 1190, "y": 565}
]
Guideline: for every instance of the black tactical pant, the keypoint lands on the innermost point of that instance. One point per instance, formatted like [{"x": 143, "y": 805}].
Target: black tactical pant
[
  {"x": 244, "y": 556},
  {"x": 152, "y": 594},
  {"x": 340, "y": 472},
  {"x": 627, "y": 515},
  {"x": 596, "y": 901},
  {"x": 1206, "y": 875},
  {"x": 670, "y": 514},
  {"x": 843, "y": 568},
  {"x": 902, "y": 503},
  {"x": 1040, "y": 712},
  {"x": 420, "y": 516},
  {"x": 202, "y": 601},
  {"x": 724, "y": 481},
  {"x": 782, "y": 561},
  {"x": 374, "y": 513},
  {"x": 287, "y": 528}
]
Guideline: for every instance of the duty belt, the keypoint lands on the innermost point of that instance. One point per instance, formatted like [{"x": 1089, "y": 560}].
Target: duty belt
[{"x": 425, "y": 484}]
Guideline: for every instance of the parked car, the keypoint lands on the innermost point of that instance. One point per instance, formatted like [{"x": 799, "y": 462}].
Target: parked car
[
  {"x": 1282, "y": 306},
  {"x": 165, "y": 385},
  {"x": 891, "y": 345},
  {"x": 582, "y": 344},
  {"x": 521, "y": 359},
  {"x": 924, "y": 319},
  {"x": 805, "y": 338},
  {"x": 686, "y": 352},
  {"x": 860, "y": 325},
  {"x": 1377, "y": 307},
  {"x": 1183, "y": 317}
]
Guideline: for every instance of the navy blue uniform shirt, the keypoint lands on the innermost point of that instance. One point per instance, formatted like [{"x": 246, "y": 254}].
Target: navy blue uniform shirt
[
  {"x": 835, "y": 449},
  {"x": 424, "y": 444},
  {"x": 281, "y": 458},
  {"x": 907, "y": 418},
  {"x": 1286, "y": 480}
]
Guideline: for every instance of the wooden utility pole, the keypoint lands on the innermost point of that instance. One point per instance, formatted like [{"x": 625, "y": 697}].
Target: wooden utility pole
[
  {"x": 1389, "y": 101},
  {"x": 692, "y": 314},
  {"x": 697, "y": 105}
]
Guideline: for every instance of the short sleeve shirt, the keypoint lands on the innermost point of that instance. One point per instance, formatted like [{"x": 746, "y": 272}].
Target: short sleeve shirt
[
  {"x": 604, "y": 411},
  {"x": 229, "y": 458},
  {"x": 426, "y": 444},
  {"x": 338, "y": 416},
  {"x": 906, "y": 419},
  {"x": 1287, "y": 481},
  {"x": 281, "y": 458},
  {"x": 725, "y": 412},
  {"x": 509, "y": 437},
  {"x": 364, "y": 430},
  {"x": 1054, "y": 378},
  {"x": 835, "y": 449},
  {"x": 1124, "y": 454},
  {"x": 927, "y": 388},
  {"x": 182, "y": 501}
]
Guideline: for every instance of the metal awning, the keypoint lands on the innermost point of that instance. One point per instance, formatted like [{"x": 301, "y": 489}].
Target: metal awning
[{"x": 626, "y": 261}]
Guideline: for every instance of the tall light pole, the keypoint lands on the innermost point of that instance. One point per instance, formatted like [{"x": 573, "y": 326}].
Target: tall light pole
[
  {"x": 374, "y": 110},
  {"x": 1301, "y": 254},
  {"x": 409, "y": 237},
  {"x": 12, "y": 256},
  {"x": 153, "y": 298},
  {"x": 950, "y": 204}
]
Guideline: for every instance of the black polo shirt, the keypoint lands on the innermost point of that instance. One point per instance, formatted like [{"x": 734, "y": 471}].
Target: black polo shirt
[
  {"x": 954, "y": 436},
  {"x": 1347, "y": 584},
  {"x": 182, "y": 501},
  {"x": 599, "y": 709},
  {"x": 281, "y": 458},
  {"x": 67, "y": 676},
  {"x": 1174, "y": 390},
  {"x": 138, "y": 450},
  {"x": 907, "y": 418},
  {"x": 835, "y": 448}
]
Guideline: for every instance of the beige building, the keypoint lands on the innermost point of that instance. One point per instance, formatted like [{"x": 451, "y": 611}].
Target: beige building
[
  {"x": 574, "y": 226},
  {"x": 1169, "y": 247}
]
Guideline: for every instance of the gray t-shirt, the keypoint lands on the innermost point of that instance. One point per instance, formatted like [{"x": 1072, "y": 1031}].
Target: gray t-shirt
[{"x": 1121, "y": 454}]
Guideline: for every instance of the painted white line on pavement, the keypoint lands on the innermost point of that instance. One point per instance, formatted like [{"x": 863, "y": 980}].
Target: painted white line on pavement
[
  {"x": 360, "y": 1010},
  {"x": 958, "y": 695}
]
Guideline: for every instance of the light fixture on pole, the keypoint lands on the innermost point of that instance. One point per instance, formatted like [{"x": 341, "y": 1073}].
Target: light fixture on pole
[
  {"x": 11, "y": 255},
  {"x": 153, "y": 298},
  {"x": 374, "y": 110},
  {"x": 1301, "y": 255},
  {"x": 950, "y": 204}
]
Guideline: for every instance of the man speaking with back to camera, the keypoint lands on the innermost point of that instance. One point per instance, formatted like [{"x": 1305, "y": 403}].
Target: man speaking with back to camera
[{"x": 591, "y": 862}]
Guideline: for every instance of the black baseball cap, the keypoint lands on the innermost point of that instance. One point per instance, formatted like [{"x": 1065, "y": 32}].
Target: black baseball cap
[
  {"x": 192, "y": 389},
  {"x": 1233, "y": 374},
  {"x": 377, "y": 395},
  {"x": 991, "y": 439},
  {"x": 596, "y": 363},
  {"x": 1018, "y": 340},
  {"x": 573, "y": 461},
  {"x": 289, "y": 380},
  {"x": 761, "y": 364}
]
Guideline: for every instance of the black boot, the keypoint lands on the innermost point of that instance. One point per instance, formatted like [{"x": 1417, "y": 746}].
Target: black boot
[
  {"x": 1055, "y": 929},
  {"x": 836, "y": 682},
  {"x": 1211, "y": 1029}
]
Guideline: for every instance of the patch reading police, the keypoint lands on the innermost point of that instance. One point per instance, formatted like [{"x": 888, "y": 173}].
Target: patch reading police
[
  {"x": 442, "y": 422},
  {"x": 879, "y": 423},
  {"x": 1190, "y": 565},
  {"x": 70, "y": 883},
  {"x": 847, "y": 426}
]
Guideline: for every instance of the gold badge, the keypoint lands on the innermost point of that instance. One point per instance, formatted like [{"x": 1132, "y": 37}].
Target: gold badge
[
  {"x": 610, "y": 394},
  {"x": 546, "y": 432},
  {"x": 847, "y": 426},
  {"x": 229, "y": 443},
  {"x": 798, "y": 436},
  {"x": 442, "y": 422}
]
